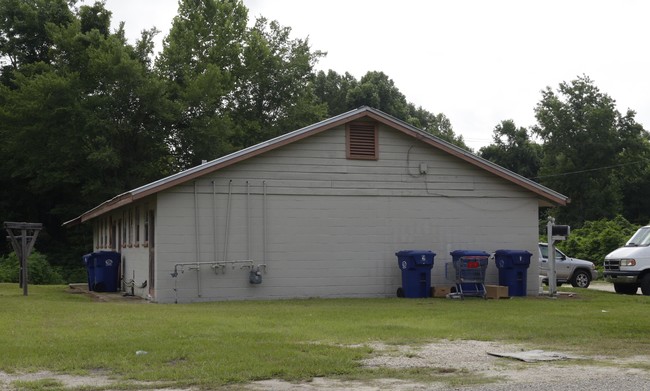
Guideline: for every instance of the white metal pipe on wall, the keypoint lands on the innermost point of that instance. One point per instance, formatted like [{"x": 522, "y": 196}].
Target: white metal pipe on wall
[
  {"x": 227, "y": 232},
  {"x": 197, "y": 263},
  {"x": 264, "y": 221},
  {"x": 248, "y": 220},
  {"x": 197, "y": 240},
  {"x": 214, "y": 218}
]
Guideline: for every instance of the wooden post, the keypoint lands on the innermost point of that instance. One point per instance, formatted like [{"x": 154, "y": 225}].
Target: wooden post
[{"x": 23, "y": 248}]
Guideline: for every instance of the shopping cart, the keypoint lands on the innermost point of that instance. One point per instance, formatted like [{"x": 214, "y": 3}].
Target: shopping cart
[{"x": 470, "y": 273}]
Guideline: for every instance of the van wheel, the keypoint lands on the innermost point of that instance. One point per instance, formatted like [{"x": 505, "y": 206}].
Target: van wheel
[
  {"x": 580, "y": 279},
  {"x": 645, "y": 285},
  {"x": 626, "y": 289}
]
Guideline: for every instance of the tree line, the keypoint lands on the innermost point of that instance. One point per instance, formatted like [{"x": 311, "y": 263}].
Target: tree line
[
  {"x": 86, "y": 115},
  {"x": 587, "y": 150}
]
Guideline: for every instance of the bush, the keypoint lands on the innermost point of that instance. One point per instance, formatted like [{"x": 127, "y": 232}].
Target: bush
[
  {"x": 74, "y": 274},
  {"x": 595, "y": 239},
  {"x": 39, "y": 271}
]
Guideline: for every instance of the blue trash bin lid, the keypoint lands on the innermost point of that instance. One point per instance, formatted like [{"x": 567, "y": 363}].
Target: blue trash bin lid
[
  {"x": 509, "y": 258},
  {"x": 406, "y": 258}
]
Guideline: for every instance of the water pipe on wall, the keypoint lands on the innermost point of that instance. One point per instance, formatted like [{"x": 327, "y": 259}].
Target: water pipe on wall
[
  {"x": 197, "y": 241},
  {"x": 264, "y": 219},
  {"x": 214, "y": 219},
  {"x": 254, "y": 270},
  {"x": 248, "y": 220},
  {"x": 228, "y": 210}
]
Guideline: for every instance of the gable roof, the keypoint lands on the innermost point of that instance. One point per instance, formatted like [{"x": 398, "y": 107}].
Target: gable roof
[{"x": 550, "y": 197}]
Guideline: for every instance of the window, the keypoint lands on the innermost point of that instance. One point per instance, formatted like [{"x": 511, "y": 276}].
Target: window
[
  {"x": 119, "y": 242},
  {"x": 130, "y": 227},
  {"x": 123, "y": 225},
  {"x": 361, "y": 140},
  {"x": 112, "y": 233},
  {"x": 105, "y": 233},
  {"x": 137, "y": 225},
  {"x": 96, "y": 234},
  {"x": 146, "y": 224}
]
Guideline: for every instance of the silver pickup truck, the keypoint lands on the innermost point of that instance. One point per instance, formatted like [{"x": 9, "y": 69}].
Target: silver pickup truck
[{"x": 576, "y": 271}]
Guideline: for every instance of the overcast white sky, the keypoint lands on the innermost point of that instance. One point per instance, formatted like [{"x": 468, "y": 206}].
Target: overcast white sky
[{"x": 477, "y": 61}]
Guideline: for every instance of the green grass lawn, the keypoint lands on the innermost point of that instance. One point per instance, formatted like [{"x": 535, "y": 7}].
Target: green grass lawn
[{"x": 212, "y": 344}]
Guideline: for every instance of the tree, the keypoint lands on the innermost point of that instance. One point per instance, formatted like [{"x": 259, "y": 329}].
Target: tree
[
  {"x": 342, "y": 93},
  {"x": 636, "y": 170},
  {"x": 588, "y": 148},
  {"x": 376, "y": 89},
  {"x": 274, "y": 93},
  {"x": 512, "y": 148},
  {"x": 332, "y": 90},
  {"x": 80, "y": 125},
  {"x": 233, "y": 86},
  {"x": 436, "y": 124},
  {"x": 201, "y": 62},
  {"x": 24, "y": 38},
  {"x": 636, "y": 203}
]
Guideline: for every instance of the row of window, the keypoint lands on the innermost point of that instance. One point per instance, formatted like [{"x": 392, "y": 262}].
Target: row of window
[{"x": 130, "y": 229}]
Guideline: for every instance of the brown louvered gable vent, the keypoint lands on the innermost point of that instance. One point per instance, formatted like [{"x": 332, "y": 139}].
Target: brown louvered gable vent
[{"x": 362, "y": 140}]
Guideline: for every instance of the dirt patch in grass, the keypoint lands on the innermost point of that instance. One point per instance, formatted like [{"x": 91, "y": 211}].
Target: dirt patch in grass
[
  {"x": 435, "y": 366},
  {"x": 468, "y": 364}
]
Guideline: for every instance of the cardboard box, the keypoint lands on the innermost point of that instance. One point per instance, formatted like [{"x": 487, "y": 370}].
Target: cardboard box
[
  {"x": 442, "y": 290},
  {"x": 496, "y": 292}
]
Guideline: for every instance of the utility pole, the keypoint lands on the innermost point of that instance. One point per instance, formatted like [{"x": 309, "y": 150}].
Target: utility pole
[
  {"x": 552, "y": 273},
  {"x": 555, "y": 233},
  {"x": 22, "y": 237}
]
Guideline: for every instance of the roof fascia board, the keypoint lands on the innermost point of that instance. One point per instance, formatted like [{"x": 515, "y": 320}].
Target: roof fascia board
[
  {"x": 288, "y": 138},
  {"x": 217, "y": 164},
  {"x": 121, "y": 200},
  {"x": 244, "y": 155}
]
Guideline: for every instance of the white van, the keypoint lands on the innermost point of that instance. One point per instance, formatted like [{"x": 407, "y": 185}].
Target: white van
[{"x": 629, "y": 267}]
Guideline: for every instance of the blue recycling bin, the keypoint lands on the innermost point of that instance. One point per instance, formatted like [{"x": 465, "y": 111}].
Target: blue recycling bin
[
  {"x": 513, "y": 270},
  {"x": 416, "y": 268},
  {"x": 102, "y": 268},
  {"x": 87, "y": 258}
]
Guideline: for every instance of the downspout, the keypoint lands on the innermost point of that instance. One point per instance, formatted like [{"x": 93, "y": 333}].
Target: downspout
[{"x": 197, "y": 241}]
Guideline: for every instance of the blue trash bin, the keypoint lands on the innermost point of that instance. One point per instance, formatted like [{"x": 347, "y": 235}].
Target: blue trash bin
[
  {"x": 513, "y": 270},
  {"x": 416, "y": 268},
  {"x": 103, "y": 270},
  {"x": 87, "y": 258}
]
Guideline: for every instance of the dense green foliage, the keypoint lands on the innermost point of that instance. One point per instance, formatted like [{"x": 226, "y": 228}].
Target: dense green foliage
[
  {"x": 86, "y": 115},
  {"x": 211, "y": 344},
  {"x": 80, "y": 121},
  {"x": 590, "y": 152},
  {"x": 595, "y": 239},
  {"x": 588, "y": 144},
  {"x": 39, "y": 270},
  {"x": 513, "y": 149},
  {"x": 341, "y": 93}
]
